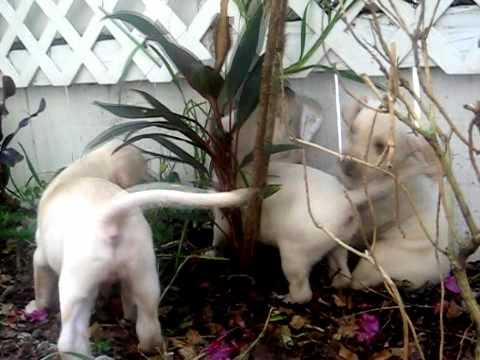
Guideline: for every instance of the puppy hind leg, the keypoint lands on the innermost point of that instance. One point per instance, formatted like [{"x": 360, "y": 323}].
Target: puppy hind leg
[
  {"x": 45, "y": 284},
  {"x": 365, "y": 275},
  {"x": 145, "y": 290},
  {"x": 76, "y": 304},
  {"x": 338, "y": 268},
  {"x": 389, "y": 257},
  {"x": 296, "y": 268}
]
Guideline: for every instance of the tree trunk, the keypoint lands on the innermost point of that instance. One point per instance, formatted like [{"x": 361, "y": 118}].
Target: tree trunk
[{"x": 270, "y": 94}]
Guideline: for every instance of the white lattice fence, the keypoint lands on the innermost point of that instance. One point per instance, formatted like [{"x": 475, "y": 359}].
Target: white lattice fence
[{"x": 62, "y": 42}]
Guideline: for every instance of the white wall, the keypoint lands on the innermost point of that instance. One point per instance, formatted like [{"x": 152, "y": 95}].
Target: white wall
[{"x": 71, "y": 120}]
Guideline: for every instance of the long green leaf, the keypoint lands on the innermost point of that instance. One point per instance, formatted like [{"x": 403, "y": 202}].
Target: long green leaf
[
  {"x": 269, "y": 149},
  {"x": 250, "y": 95},
  {"x": 172, "y": 147},
  {"x": 340, "y": 10},
  {"x": 23, "y": 123},
  {"x": 129, "y": 61},
  {"x": 168, "y": 136},
  {"x": 203, "y": 79},
  {"x": 139, "y": 112},
  {"x": 243, "y": 59},
  {"x": 167, "y": 113},
  {"x": 130, "y": 111},
  {"x": 163, "y": 156},
  {"x": 132, "y": 127},
  {"x": 31, "y": 167},
  {"x": 303, "y": 32}
]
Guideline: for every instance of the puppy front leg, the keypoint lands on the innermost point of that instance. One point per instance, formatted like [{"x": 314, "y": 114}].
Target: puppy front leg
[
  {"x": 219, "y": 229},
  {"x": 296, "y": 267},
  {"x": 365, "y": 275},
  {"x": 389, "y": 256},
  {"x": 45, "y": 284},
  {"x": 338, "y": 268}
]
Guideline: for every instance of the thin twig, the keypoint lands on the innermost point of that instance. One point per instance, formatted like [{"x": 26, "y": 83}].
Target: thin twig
[{"x": 259, "y": 337}]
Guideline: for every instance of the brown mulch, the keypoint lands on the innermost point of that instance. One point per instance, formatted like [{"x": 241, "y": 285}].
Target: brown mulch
[{"x": 212, "y": 312}]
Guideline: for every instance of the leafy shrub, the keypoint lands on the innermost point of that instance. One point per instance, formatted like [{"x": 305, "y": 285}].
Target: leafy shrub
[
  {"x": 237, "y": 90},
  {"x": 9, "y": 156}
]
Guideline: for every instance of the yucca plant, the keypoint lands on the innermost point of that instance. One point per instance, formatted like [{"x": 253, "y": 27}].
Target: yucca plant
[{"x": 234, "y": 94}]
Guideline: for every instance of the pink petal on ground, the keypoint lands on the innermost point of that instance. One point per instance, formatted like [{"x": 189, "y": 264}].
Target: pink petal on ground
[
  {"x": 219, "y": 350},
  {"x": 368, "y": 327},
  {"x": 451, "y": 284},
  {"x": 37, "y": 315}
]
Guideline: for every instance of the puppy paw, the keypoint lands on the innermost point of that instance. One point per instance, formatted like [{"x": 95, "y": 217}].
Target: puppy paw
[
  {"x": 341, "y": 281},
  {"x": 294, "y": 299},
  {"x": 32, "y": 307},
  {"x": 154, "y": 345}
]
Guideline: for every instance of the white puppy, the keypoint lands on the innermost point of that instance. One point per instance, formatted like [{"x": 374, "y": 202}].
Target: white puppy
[
  {"x": 299, "y": 116},
  {"x": 402, "y": 249},
  {"x": 287, "y": 225},
  {"x": 126, "y": 167},
  {"x": 92, "y": 233}
]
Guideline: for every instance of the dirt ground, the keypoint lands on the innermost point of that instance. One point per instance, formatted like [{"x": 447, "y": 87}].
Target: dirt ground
[{"x": 211, "y": 312}]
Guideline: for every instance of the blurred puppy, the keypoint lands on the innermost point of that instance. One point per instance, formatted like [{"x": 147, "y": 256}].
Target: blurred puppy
[
  {"x": 126, "y": 167},
  {"x": 402, "y": 249},
  {"x": 92, "y": 233},
  {"x": 287, "y": 225},
  {"x": 298, "y": 116}
]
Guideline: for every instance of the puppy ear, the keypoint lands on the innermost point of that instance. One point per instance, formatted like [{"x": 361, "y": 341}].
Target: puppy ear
[
  {"x": 311, "y": 119},
  {"x": 424, "y": 154},
  {"x": 351, "y": 111}
]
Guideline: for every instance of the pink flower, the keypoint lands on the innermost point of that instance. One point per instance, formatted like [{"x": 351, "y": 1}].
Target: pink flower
[
  {"x": 37, "y": 315},
  {"x": 451, "y": 284},
  {"x": 368, "y": 327},
  {"x": 220, "y": 350}
]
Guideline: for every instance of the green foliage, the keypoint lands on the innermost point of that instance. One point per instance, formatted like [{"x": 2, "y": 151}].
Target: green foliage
[
  {"x": 15, "y": 225},
  {"x": 9, "y": 156},
  {"x": 334, "y": 15},
  {"x": 239, "y": 90},
  {"x": 30, "y": 193},
  {"x": 243, "y": 58},
  {"x": 102, "y": 346}
]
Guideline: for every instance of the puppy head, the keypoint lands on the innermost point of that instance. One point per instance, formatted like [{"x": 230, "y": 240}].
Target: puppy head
[
  {"x": 368, "y": 137},
  {"x": 128, "y": 167}
]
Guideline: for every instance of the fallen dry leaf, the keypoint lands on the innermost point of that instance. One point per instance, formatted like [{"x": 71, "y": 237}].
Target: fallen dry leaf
[
  {"x": 339, "y": 300},
  {"x": 382, "y": 355},
  {"x": 454, "y": 310},
  {"x": 284, "y": 336},
  {"x": 346, "y": 354},
  {"x": 187, "y": 352},
  {"x": 347, "y": 328},
  {"x": 6, "y": 309},
  {"x": 193, "y": 337},
  {"x": 297, "y": 322}
]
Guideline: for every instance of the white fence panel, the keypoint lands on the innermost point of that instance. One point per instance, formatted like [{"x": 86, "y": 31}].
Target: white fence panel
[{"x": 63, "y": 42}]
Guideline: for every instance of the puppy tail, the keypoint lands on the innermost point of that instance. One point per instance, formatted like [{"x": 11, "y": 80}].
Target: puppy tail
[{"x": 122, "y": 204}]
